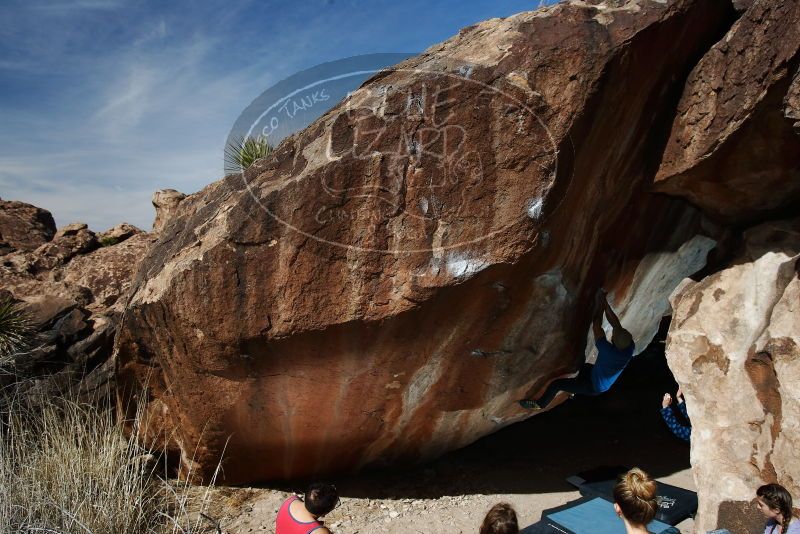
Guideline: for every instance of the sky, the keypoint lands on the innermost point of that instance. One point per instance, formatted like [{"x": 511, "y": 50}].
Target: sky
[{"x": 103, "y": 102}]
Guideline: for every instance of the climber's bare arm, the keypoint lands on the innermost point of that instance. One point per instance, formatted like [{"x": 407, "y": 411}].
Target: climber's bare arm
[
  {"x": 597, "y": 323},
  {"x": 611, "y": 316},
  {"x": 597, "y": 320},
  {"x": 619, "y": 335}
]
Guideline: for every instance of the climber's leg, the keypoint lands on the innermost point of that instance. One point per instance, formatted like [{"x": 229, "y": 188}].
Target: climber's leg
[{"x": 580, "y": 385}]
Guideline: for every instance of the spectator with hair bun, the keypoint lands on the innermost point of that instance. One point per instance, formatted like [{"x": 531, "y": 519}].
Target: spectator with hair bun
[
  {"x": 635, "y": 500},
  {"x": 501, "y": 519}
]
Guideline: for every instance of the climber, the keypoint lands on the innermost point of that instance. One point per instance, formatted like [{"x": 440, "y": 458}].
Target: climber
[
  {"x": 612, "y": 358},
  {"x": 680, "y": 430},
  {"x": 301, "y": 516}
]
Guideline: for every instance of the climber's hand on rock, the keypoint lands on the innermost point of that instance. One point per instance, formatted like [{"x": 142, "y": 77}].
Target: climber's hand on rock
[
  {"x": 666, "y": 401},
  {"x": 679, "y": 395}
]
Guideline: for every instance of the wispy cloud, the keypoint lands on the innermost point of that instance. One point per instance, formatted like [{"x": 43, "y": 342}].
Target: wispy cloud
[
  {"x": 157, "y": 32},
  {"x": 128, "y": 98},
  {"x": 76, "y": 5}
]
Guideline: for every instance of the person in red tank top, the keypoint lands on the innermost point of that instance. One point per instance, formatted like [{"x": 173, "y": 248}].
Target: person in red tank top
[{"x": 301, "y": 516}]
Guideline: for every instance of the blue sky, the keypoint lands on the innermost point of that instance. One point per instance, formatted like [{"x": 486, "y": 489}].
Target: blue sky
[{"x": 104, "y": 101}]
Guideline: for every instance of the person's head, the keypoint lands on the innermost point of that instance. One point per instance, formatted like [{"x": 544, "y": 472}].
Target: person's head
[
  {"x": 635, "y": 497},
  {"x": 774, "y": 502},
  {"x": 621, "y": 338},
  {"x": 321, "y": 498},
  {"x": 501, "y": 519}
]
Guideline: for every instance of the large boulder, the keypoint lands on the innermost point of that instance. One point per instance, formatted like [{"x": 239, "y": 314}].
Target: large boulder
[
  {"x": 734, "y": 346},
  {"x": 23, "y": 226},
  {"x": 398, "y": 274},
  {"x": 734, "y": 148}
]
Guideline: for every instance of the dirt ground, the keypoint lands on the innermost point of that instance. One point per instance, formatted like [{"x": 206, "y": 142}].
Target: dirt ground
[{"x": 525, "y": 465}]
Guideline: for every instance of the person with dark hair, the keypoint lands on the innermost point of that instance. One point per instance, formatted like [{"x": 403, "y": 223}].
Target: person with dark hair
[
  {"x": 775, "y": 503},
  {"x": 501, "y": 519},
  {"x": 635, "y": 500},
  {"x": 612, "y": 357},
  {"x": 680, "y": 430},
  {"x": 301, "y": 516}
]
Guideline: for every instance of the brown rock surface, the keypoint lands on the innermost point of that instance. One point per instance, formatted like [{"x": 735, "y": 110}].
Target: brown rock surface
[
  {"x": 23, "y": 226},
  {"x": 69, "y": 241},
  {"x": 402, "y": 271},
  {"x": 732, "y": 149},
  {"x": 742, "y": 5},
  {"x": 43, "y": 310},
  {"x": 108, "y": 271},
  {"x": 734, "y": 346},
  {"x": 166, "y": 203}
]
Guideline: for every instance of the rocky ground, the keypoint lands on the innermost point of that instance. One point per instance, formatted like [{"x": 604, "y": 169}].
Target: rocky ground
[{"x": 525, "y": 464}]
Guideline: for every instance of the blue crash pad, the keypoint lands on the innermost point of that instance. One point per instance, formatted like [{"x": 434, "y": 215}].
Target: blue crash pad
[{"x": 588, "y": 516}]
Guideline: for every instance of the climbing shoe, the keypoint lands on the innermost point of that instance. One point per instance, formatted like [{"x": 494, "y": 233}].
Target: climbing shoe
[{"x": 530, "y": 404}]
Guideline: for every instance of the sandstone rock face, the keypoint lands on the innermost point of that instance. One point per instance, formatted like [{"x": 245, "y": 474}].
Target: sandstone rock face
[
  {"x": 733, "y": 149},
  {"x": 398, "y": 274},
  {"x": 166, "y": 203},
  {"x": 734, "y": 346},
  {"x": 23, "y": 226}
]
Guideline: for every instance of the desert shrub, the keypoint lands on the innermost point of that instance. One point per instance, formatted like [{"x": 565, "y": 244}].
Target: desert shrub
[
  {"x": 107, "y": 241},
  {"x": 16, "y": 331},
  {"x": 242, "y": 151}
]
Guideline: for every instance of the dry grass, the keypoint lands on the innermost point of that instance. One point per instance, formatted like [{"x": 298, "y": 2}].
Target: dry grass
[{"x": 65, "y": 467}]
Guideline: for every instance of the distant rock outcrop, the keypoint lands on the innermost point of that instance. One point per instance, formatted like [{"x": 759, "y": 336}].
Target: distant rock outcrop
[
  {"x": 166, "y": 202},
  {"x": 118, "y": 234},
  {"x": 70, "y": 285},
  {"x": 734, "y": 346},
  {"x": 23, "y": 226},
  {"x": 108, "y": 271},
  {"x": 398, "y": 274}
]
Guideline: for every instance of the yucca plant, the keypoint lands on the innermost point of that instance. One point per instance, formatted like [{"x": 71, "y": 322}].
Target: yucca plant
[
  {"x": 242, "y": 151},
  {"x": 15, "y": 330}
]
